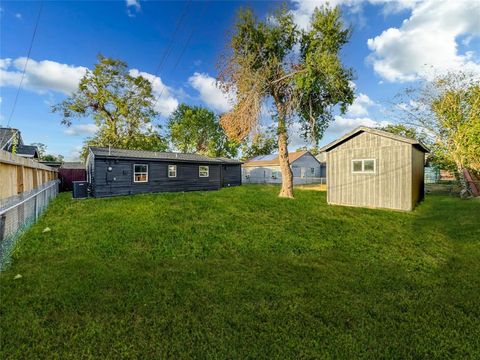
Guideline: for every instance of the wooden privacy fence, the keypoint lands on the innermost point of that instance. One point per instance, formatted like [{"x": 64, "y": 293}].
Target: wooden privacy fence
[
  {"x": 26, "y": 188},
  {"x": 18, "y": 175}
]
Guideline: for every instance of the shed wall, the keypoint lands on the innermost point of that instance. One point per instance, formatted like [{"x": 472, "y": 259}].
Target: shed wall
[{"x": 389, "y": 187}]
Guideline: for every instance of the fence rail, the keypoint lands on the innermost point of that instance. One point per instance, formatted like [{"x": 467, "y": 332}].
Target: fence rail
[{"x": 20, "y": 211}]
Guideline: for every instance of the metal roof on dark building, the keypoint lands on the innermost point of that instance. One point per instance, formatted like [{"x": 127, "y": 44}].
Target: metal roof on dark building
[{"x": 159, "y": 155}]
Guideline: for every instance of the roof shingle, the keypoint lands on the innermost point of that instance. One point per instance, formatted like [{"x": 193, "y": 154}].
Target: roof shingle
[{"x": 158, "y": 155}]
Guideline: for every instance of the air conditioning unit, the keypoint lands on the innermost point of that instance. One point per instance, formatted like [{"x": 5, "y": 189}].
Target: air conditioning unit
[{"x": 80, "y": 189}]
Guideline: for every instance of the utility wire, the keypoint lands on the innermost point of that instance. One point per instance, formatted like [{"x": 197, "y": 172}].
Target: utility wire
[
  {"x": 26, "y": 63},
  {"x": 206, "y": 3},
  {"x": 23, "y": 71},
  {"x": 169, "y": 47}
]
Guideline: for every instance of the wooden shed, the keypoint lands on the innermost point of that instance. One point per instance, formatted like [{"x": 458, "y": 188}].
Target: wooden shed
[
  {"x": 374, "y": 168},
  {"x": 113, "y": 172}
]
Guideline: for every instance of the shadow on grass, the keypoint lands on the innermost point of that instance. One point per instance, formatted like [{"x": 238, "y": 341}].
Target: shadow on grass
[{"x": 244, "y": 274}]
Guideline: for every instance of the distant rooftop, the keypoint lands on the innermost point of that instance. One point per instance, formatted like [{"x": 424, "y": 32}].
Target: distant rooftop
[
  {"x": 6, "y": 135},
  {"x": 272, "y": 159}
]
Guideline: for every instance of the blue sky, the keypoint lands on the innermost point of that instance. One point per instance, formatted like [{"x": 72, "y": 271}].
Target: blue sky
[{"x": 394, "y": 43}]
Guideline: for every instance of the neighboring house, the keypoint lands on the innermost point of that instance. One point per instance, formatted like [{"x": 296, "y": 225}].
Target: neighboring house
[
  {"x": 374, "y": 168},
  {"x": 70, "y": 172},
  {"x": 266, "y": 169},
  {"x": 113, "y": 172},
  {"x": 11, "y": 139}
]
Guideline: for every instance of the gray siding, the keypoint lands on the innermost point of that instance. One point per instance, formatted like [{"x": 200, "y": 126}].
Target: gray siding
[
  {"x": 305, "y": 164},
  {"x": 301, "y": 169},
  {"x": 389, "y": 187},
  {"x": 119, "y": 181}
]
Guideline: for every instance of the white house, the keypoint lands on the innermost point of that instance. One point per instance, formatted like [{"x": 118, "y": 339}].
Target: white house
[{"x": 266, "y": 169}]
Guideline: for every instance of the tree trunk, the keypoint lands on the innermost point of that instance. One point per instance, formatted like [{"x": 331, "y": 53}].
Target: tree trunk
[
  {"x": 287, "y": 176},
  {"x": 465, "y": 191}
]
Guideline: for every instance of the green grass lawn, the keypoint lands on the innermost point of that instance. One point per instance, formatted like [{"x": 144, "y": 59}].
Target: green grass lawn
[{"x": 240, "y": 273}]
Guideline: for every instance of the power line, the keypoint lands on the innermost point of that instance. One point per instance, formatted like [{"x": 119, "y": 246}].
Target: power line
[
  {"x": 182, "y": 52},
  {"x": 169, "y": 47},
  {"x": 26, "y": 63}
]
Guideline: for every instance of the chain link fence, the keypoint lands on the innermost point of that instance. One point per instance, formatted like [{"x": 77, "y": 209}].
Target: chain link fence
[
  {"x": 18, "y": 212},
  {"x": 297, "y": 180}
]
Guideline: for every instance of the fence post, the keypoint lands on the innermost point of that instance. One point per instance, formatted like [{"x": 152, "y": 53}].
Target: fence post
[
  {"x": 35, "y": 206},
  {"x": 3, "y": 220}
]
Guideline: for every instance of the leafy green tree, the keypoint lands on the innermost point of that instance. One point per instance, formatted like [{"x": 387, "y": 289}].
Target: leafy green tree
[
  {"x": 121, "y": 105},
  {"x": 448, "y": 110},
  {"x": 50, "y": 157},
  {"x": 314, "y": 150},
  {"x": 300, "y": 71},
  {"x": 42, "y": 153},
  {"x": 261, "y": 144},
  {"x": 41, "y": 149},
  {"x": 194, "y": 129},
  {"x": 407, "y": 131}
]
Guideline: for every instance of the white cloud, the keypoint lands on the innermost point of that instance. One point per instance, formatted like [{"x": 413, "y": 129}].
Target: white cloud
[
  {"x": 210, "y": 93},
  {"x": 423, "y": 45},
  {"x": 133, "y": 4},
  {"x": 41, "y": 76},
  {"x": 166, "y": 103},
  {"x": 343, "y": 125},
  {"x": 303, "y": 9},
  {"x": 74, "y": 153},
  {"x": 44, "y": 76},
  {"x": 18, "y": 16},
  {"x": 426, "y": 43},
  {"x": 81, "y": 129},
  {"x": 360, "y": 106}
]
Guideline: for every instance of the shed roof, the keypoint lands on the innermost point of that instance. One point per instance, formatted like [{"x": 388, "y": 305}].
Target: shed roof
[
  {"x": 159, "y": 155},
  {"x": 273, "y": 160},
  {"x": 360, "y": 129}
]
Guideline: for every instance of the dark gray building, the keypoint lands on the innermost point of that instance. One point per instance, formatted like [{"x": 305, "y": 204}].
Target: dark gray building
[
  {"x": 11, "y": 139},
  {"x": 113, "y": 172}
]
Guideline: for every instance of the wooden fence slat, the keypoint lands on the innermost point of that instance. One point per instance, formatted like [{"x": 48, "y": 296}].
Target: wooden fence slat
[
  {"x": 20, "y": 185},
  {"x": 18, "y": 174}
]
